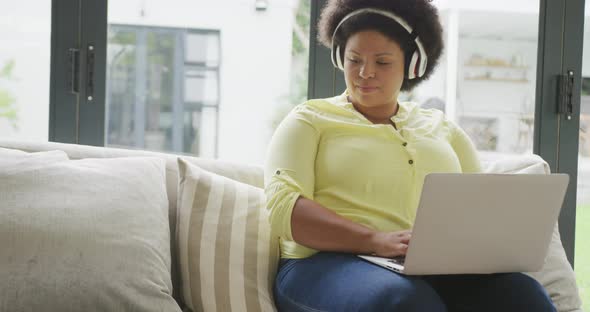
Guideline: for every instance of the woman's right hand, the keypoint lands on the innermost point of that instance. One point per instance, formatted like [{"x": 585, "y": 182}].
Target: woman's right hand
[{"x": 391, "y": 244}]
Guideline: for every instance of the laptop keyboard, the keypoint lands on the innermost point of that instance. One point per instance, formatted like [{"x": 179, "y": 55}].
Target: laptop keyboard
[{"x": 398, "y": 260}]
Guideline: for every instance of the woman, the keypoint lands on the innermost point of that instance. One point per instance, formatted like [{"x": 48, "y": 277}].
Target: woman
[{"x": 343, "y": 174}]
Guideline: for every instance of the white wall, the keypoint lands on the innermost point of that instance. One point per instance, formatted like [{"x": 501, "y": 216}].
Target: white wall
[
  {"x": 25, "y": 38},
  {"x": 586, "y": 51},
  {"x": 507, "y": 101},
  {"x": 522, "y": 6}
]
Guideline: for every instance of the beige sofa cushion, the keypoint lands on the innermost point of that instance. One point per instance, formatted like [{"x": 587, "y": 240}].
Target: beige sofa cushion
[
  {"x": 11, "y": 158},
  {"x": 228, "y": 257},
  {"x": 245, "y": 173},
  {"x": 87, "y": 235},
  {"x": 556, "y": 275}
]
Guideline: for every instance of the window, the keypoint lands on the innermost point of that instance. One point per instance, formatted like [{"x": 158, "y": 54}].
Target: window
[{"x": 163, "y": 89}]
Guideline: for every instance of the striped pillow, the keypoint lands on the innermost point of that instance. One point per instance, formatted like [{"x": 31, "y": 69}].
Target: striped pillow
[{"x": 228, "y": 257}]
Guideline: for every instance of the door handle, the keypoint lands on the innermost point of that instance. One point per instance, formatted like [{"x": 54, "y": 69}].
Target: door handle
[
  {"x": 565, "y": 94},
  {"x": 90, "y": 56},
  {"x": 73, "y": 70}
]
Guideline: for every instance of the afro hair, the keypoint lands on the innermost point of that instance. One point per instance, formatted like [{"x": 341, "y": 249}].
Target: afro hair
[{"x": 420, "y": 14}]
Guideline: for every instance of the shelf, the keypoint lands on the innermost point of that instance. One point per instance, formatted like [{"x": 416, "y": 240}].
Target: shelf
[
  {"x": 497, "y": 66},
  {"x": 499, "y": 80}
]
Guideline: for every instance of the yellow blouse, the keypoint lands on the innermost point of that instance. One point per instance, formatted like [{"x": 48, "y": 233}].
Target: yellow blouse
[{"x": 372, "y": 174}]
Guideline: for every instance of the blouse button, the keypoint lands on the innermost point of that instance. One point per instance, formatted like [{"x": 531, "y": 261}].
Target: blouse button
[
  {"x": 410, "y": 161},
  {"x": 278, "y": 172},
  {"x": 405, "y": 144}
]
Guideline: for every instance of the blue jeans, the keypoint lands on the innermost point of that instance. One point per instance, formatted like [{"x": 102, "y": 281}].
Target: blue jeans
[{"x": 344, "y": 282}]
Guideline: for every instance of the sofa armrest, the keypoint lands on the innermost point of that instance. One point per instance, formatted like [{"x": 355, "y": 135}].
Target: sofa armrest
[{"x": 556, "y": 275}]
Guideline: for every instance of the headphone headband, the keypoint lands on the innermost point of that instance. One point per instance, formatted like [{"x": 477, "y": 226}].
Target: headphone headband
[{"x": 419, "y": 60}]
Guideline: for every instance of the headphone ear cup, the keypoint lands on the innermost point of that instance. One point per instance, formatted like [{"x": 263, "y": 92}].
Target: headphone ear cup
[
  {"x": 333, "y": 56},
  {"x": 413, "y": 70},
  {"x": 337, "y": 57},
  {"x": 340, "y": 58}
]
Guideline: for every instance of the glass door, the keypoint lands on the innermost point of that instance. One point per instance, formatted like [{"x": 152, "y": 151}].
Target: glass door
[
  {"x": 487, "y": 75},
  {"x": 582, "y": 251}
]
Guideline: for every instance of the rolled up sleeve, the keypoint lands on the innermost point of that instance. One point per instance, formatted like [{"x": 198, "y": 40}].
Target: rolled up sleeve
[
  {"x": 289, "y": 169},
  {"x": 465, "y": 150}
]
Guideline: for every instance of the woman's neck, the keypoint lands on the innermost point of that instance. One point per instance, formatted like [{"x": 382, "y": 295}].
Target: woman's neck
[{"x": 380, "y": 114}]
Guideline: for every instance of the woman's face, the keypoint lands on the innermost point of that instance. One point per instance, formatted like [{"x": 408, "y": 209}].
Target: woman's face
[{"x": 373, "y": 69}]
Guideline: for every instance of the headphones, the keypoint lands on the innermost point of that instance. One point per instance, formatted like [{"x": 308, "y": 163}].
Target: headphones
[{"x": 419, "y": 60}]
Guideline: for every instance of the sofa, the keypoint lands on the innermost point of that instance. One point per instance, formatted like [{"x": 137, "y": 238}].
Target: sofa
[{"x": 86, "y": 228}]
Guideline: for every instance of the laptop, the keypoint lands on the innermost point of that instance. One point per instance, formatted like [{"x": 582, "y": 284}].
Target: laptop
[{"x": 481, "y": 223}]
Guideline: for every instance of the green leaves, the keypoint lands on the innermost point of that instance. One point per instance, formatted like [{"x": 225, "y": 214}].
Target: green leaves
[
  {"x": 8, "y": 109},
  {"x": 6, "y": 71}
]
